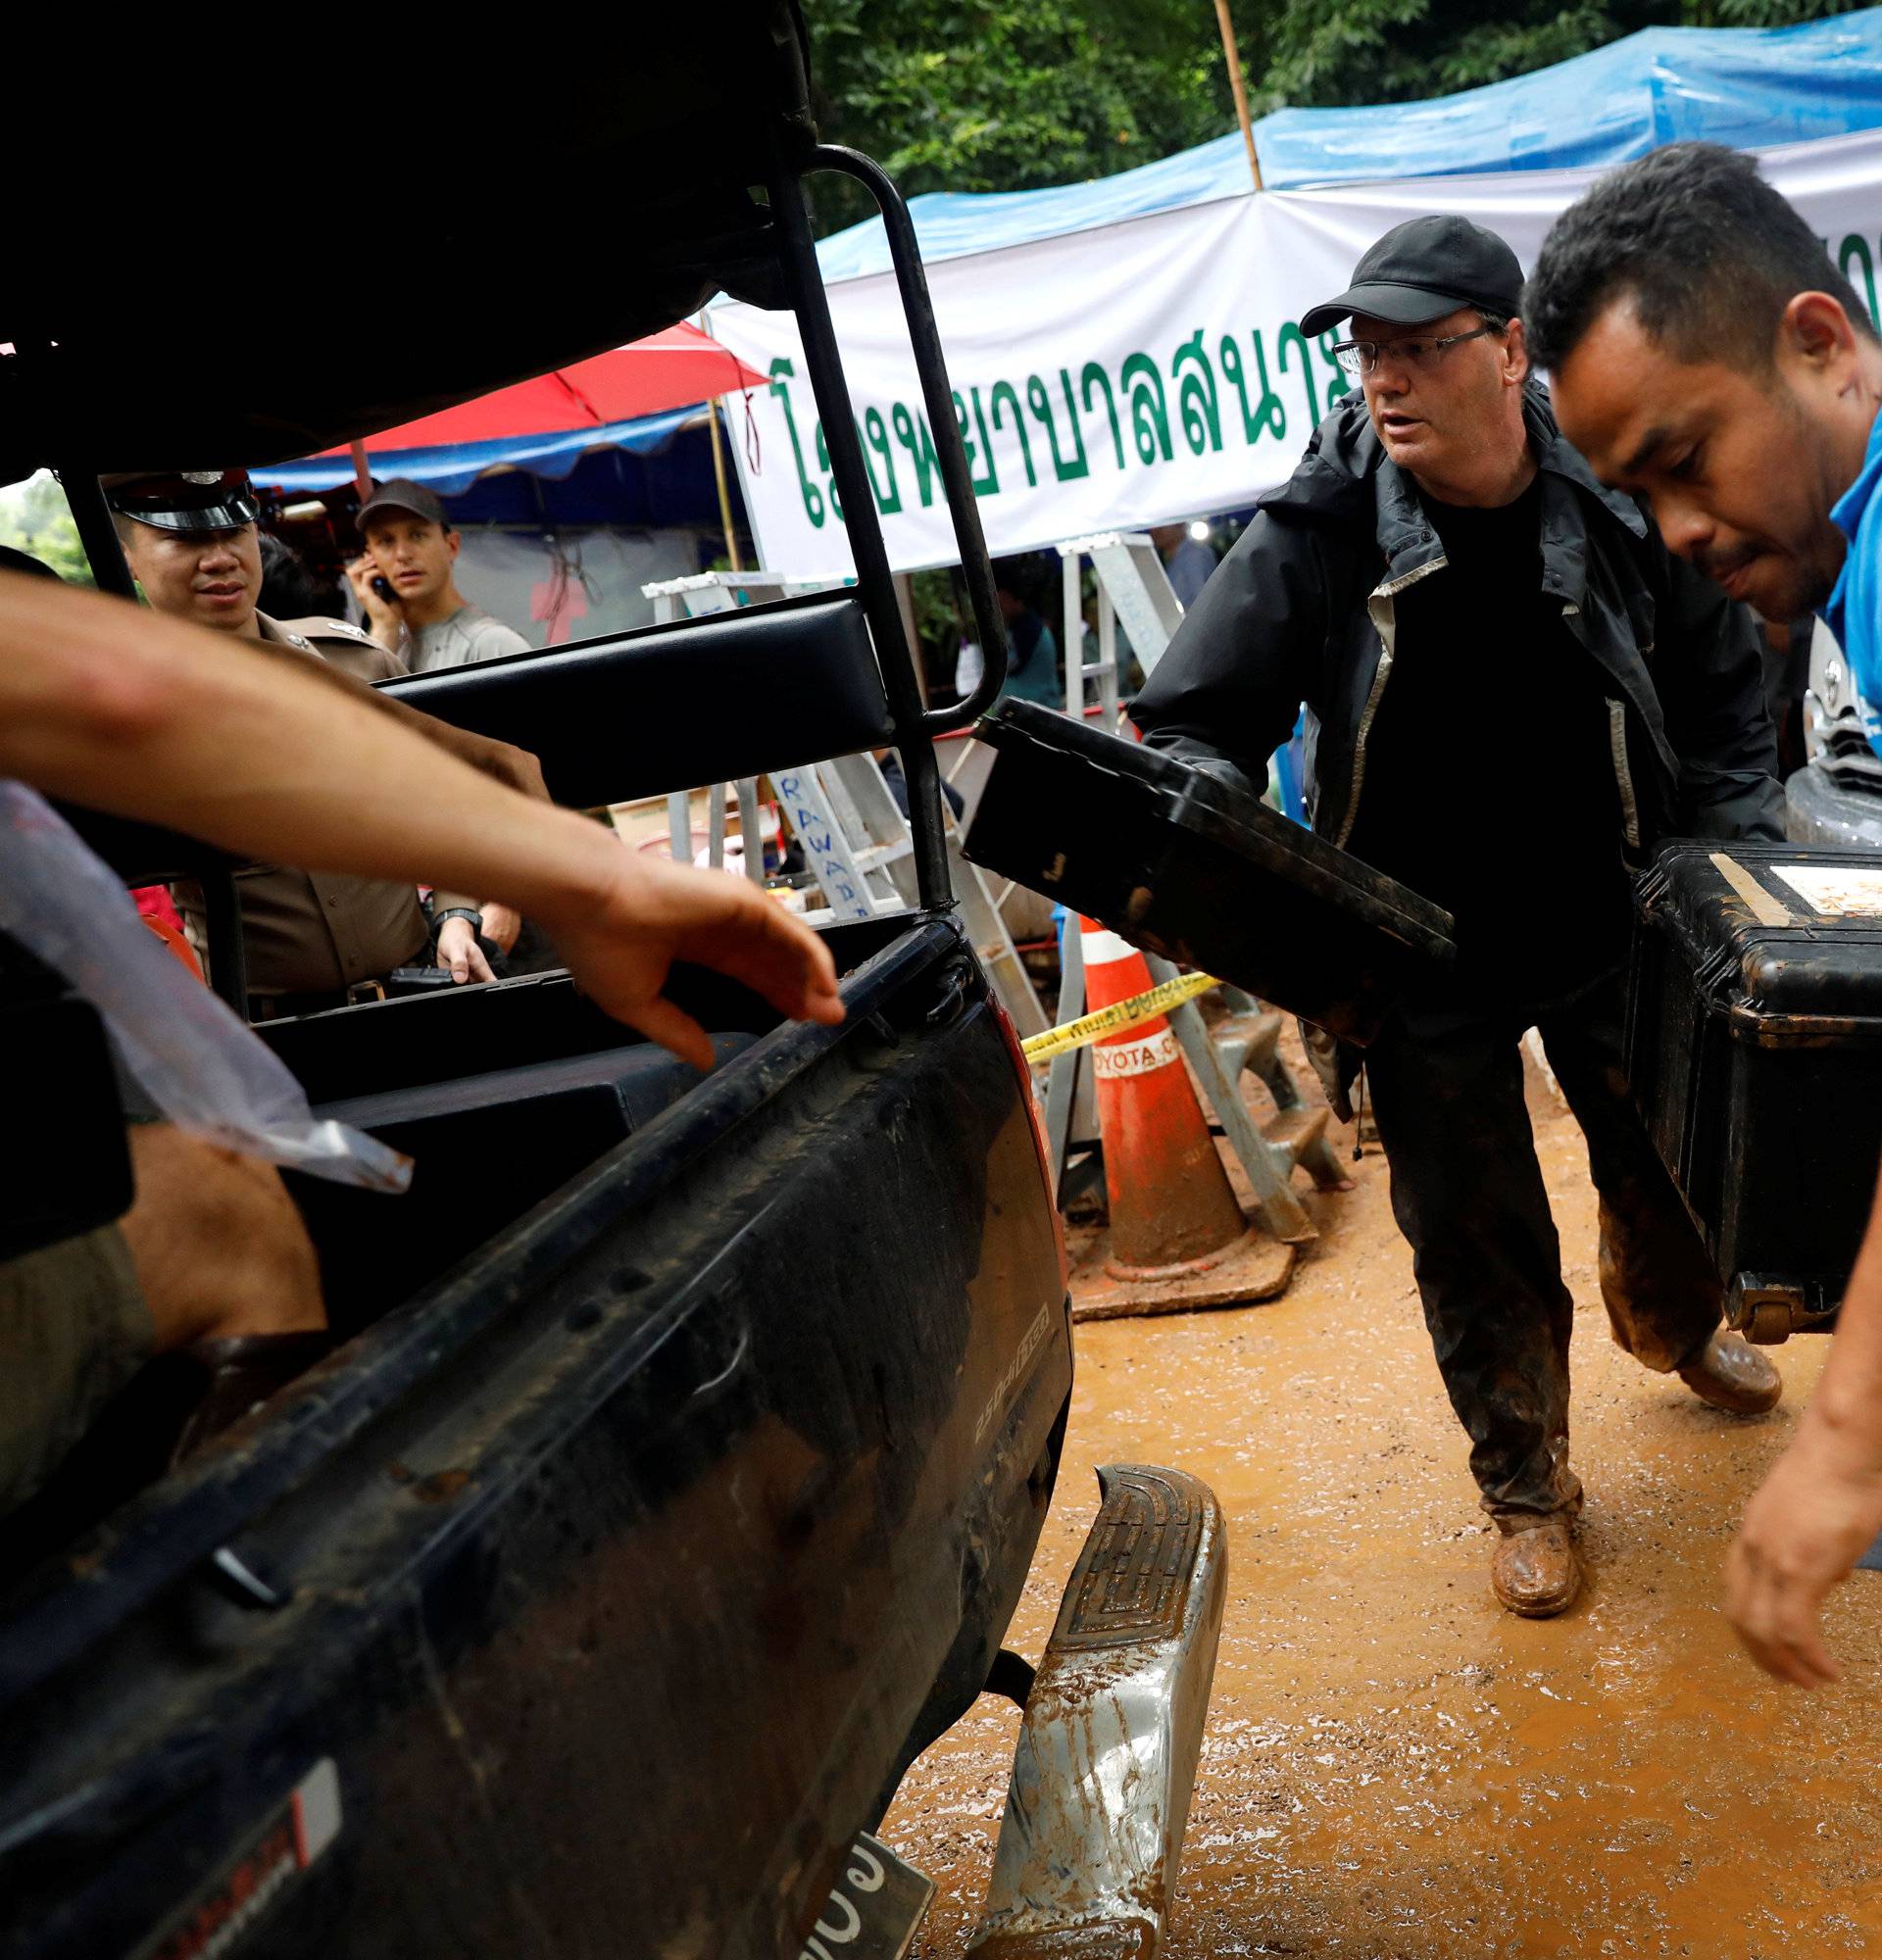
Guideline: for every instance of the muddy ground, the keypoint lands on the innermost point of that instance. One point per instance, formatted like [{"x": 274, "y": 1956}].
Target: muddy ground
[{"x": 1396, "y": 1766}]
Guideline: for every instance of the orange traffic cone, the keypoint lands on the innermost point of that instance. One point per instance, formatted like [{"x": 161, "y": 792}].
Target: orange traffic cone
[{"x": 1172, "y": 1211}]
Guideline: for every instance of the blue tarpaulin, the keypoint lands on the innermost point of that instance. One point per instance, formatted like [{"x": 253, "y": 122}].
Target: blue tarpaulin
[
  {"x": 451, "y": 470},
  {"x": 1748, "y": 87},
  {"x": 670, "y": 488}
]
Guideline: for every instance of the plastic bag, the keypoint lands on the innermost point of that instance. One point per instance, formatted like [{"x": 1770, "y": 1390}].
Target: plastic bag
[{"x": 205, "y": 1069}]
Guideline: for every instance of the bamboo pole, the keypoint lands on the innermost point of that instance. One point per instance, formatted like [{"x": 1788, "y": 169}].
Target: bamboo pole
[
  {"x": 725, "y": 498},
  {"x": 1228, "y": 26}
]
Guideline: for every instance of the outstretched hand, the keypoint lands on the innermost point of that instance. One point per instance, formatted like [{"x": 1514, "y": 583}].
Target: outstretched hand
[
  {"x": 1807, "y": 1524},
  {"x": 621, "y": 948}
]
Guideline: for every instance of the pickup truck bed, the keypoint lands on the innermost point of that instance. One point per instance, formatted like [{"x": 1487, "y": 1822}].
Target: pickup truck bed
[{"x": 590, "y": 1600}]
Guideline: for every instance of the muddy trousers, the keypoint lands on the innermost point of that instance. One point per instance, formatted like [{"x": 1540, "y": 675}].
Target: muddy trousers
[{"x": 1468, "y": 1194}]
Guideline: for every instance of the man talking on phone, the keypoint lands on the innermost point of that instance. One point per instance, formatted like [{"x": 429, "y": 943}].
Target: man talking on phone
[{"x": 407, "y": 585}]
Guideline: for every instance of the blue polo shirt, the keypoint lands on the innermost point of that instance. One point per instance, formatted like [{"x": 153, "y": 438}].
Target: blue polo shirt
[{"x": 1853, "y": 609}]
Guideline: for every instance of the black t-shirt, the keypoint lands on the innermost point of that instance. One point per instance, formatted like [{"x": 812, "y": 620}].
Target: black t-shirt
[{"x": 1488, "y": 781}]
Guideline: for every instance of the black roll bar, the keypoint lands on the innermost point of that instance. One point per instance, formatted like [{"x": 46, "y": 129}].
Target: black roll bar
[
  {"x": 97, "y": 533},
  {"x": 949, "y": 452},
  {"x": 804, "y": 288}
]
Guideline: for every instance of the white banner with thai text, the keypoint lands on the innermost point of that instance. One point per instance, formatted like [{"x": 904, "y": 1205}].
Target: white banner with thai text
[{"x": 1147, "y": 371}]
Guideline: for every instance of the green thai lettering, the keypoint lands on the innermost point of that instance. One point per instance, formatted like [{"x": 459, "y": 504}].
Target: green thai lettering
[
  {"x": 1267, "y": 416},
  {"x": 1291, "y": 336},
  {"x": 1149, "y": 410},
  {"x": 1091, "y": 373},
  {"x": 1857, "y": 247},
  {"x": 876, "y": 435},
  {"x": 1196, "y": 396},
  {"x": 783, "y": 371},
  {"x": 1065, "y": 469},
  {"x": 986, "y": 479},
  {"x": 1337, "y": 383},
  {"x": 916, "y": 436},
  {"x": 1005, "y": 389}
]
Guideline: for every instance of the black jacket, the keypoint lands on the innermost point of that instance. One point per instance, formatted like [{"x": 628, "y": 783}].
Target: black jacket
[{"x": 1302, "y": 611}]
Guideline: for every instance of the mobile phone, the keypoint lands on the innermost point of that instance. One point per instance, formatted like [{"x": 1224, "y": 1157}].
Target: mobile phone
[{"x": 384, "y": 589}]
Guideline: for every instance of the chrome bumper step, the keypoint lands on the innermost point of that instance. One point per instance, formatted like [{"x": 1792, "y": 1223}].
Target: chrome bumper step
[{"x": 1093, "y": 1831}]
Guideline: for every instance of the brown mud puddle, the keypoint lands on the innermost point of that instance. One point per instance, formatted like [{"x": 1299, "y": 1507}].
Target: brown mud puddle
[{"x": 1395, "y": 1769}]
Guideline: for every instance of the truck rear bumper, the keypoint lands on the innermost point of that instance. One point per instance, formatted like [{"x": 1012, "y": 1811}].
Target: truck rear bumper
[{"x": 1098, "y": 1796}]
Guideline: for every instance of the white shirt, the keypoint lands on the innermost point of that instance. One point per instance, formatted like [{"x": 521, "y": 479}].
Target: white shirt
[{"x": 468, "y": 635}]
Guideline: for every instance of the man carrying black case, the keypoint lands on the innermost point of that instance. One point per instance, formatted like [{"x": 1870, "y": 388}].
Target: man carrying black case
[
  {"x": 1515, "y": 692},
  {"x": 1709, "y": 356}
]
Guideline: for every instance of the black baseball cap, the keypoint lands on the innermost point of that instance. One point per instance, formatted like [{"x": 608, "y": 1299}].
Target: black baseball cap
[
  {"x": 1422, "y": 270},
  {"x": 183, "y": 500},
  {"x": 401, "y": 494}
]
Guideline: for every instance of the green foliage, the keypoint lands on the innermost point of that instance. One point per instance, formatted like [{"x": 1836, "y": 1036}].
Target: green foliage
[
  {"x": 35, "y": 519},
  {"x": 995, "y": 95},
  {"x": 940, "y": 623},
  {"x": 1763, "y": 13},
  {"x": 1006, "y": 96},
  {"x": 1327, "y": 52}
]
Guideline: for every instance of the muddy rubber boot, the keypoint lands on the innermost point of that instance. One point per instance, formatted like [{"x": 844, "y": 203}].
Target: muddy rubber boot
[
  {"x": 1730, "y": 1374},
  {"x": 1536, "y": 1572},
  {"x": 239, "y": 1372}
]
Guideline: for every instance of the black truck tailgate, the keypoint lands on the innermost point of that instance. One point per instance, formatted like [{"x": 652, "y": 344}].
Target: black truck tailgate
[{"x": 593, "y": 1600}]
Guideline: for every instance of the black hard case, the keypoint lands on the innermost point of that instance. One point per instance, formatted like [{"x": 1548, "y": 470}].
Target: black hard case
[
  {"x": 1177, "y": 862},
  {"x": 1754, "y": 1048}
]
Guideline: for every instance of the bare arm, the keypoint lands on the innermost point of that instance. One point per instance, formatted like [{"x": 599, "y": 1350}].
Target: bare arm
[
  {"x": 502, "y": 759},
  {"x": 457, "y": 945},
  {"x": 1821, "y": 1505},
  {"x": 151, "y": 718}
]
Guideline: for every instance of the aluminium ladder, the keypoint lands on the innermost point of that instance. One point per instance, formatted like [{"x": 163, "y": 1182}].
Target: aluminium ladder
[
  {"x": 856, "y": 843},
  {"x": 1134, "y": 588}
]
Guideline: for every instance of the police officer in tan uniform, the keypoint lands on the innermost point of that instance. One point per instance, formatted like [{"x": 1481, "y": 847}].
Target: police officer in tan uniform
[{"x": 312, "y": 940}]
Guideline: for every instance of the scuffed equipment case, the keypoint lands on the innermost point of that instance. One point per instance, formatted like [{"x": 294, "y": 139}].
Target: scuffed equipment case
[
  {"x": 1754, "y": 1050},
  {"x": 1176, "y": 861}
]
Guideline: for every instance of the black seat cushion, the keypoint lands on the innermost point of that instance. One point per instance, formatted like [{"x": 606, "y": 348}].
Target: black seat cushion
[{"x": 670, "y": 707}]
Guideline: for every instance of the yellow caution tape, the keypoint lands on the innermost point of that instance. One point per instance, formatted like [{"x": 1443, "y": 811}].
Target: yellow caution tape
[{"x": 1114, "y": 1019}]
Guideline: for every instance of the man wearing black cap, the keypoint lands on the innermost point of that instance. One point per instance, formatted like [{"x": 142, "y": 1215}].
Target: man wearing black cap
[
  {"x": 411, "y": 552},
  {"x": 313, "y": 939},
  {"x": 1515, "y": 692}
]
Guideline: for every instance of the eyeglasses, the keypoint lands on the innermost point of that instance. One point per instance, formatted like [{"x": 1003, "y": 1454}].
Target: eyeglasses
[{"x": 1361, "y": 357}]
